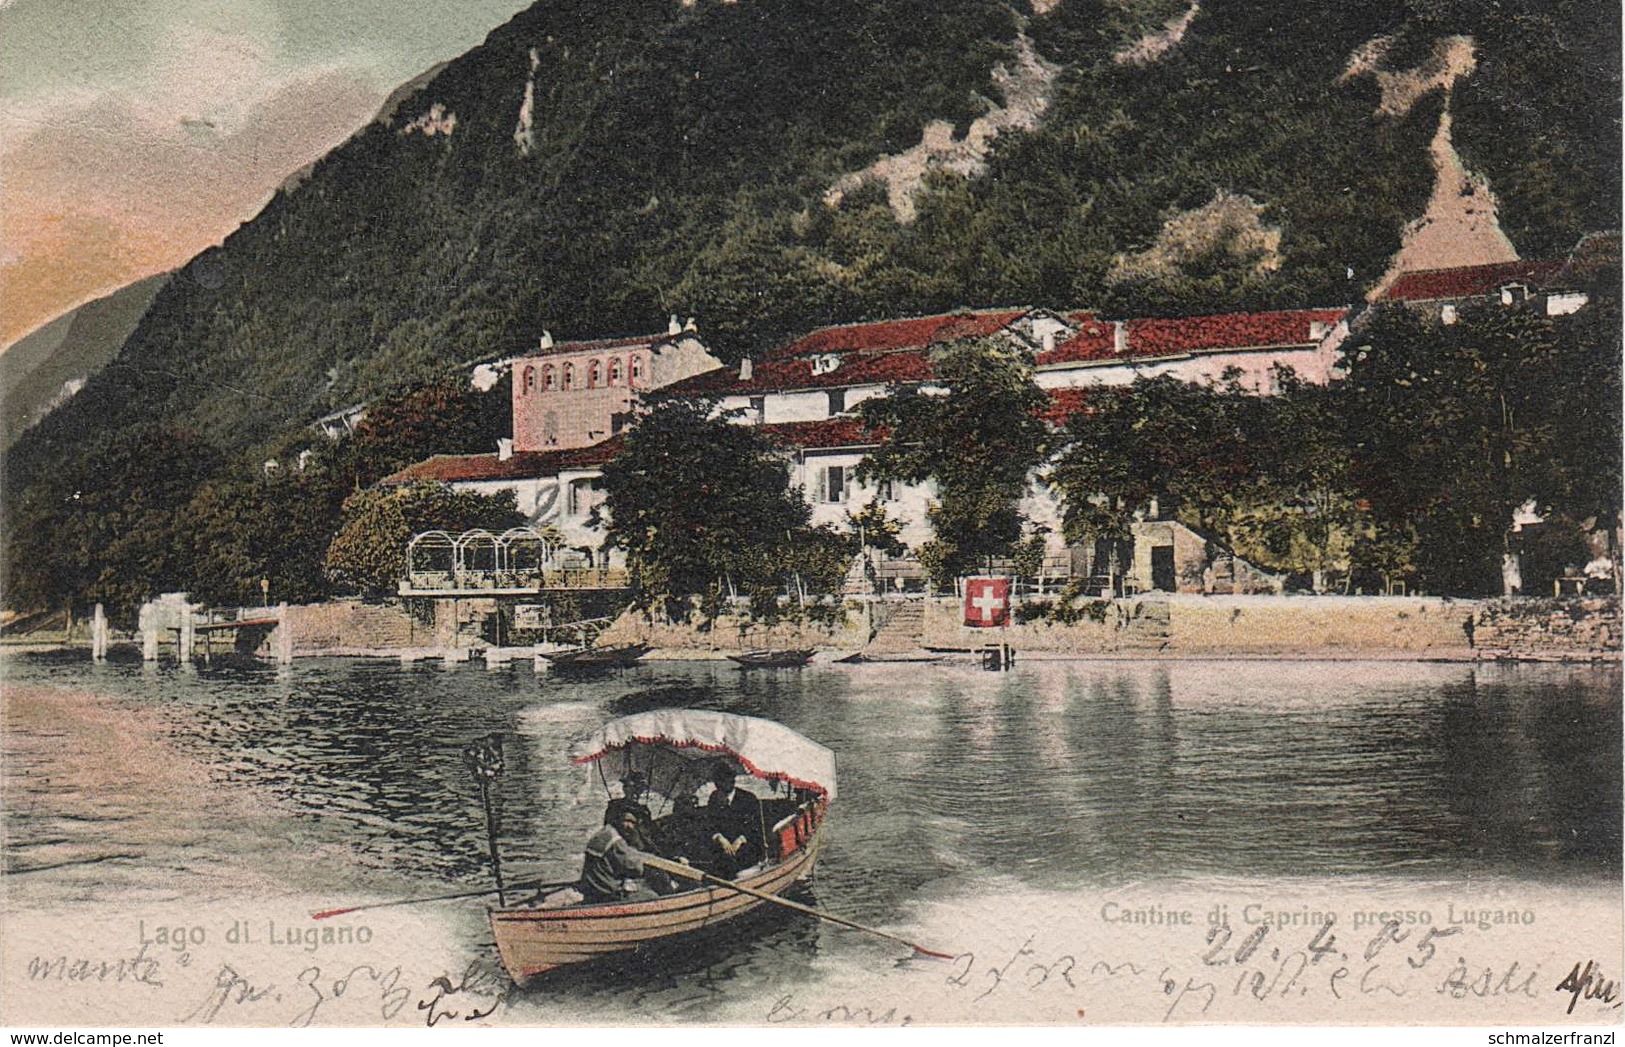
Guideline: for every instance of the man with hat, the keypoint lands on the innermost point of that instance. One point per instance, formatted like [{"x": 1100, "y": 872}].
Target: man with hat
[
  {"x": 685, "y": 833},
  {"x": 736, "y": 823}
]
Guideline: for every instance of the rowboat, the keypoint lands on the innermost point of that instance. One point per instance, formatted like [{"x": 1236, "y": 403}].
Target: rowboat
[
  {"x": 618, "y": 656},
  {"x": 773, "y": 659},
  {"x": 675, "y": 749}
]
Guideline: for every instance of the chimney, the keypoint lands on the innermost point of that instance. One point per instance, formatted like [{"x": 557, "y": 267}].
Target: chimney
[
  {"x": 1119, "y": 337},
  {"x": 691, "y": 327},
  {"x": 546, "y": 341},
  {"x": 673, "y": 328},
  {"x": 504, "y": 448},
  {"x": 744, "y": 369},
  {"x": 1048, "y": 341}
]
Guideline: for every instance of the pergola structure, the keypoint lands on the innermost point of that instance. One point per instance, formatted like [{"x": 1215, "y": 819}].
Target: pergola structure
[{"x": 520, "y": 560}]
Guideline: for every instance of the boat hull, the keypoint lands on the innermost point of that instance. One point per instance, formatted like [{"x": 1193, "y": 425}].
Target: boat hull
[
  {"x": 532, "y": 942},
  {"x": 594, "y": 657},
  {"x": 773, "y": 659}
]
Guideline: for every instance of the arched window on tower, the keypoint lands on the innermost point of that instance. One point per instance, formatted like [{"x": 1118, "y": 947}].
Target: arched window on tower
[
  {"x": 615, "y": 371},
  {"x": 637, "y": 369},
  {"x": 569, "y": 376},
  {"x": 595, "y": 374},
  {"x": 550, "y": 381},
  {"x": 527, "y": 383}
]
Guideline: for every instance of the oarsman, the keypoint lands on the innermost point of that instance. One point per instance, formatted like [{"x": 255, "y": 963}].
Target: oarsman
[
  {"x": 611, "y": 868},
  {"x": 642, "y": 837}
]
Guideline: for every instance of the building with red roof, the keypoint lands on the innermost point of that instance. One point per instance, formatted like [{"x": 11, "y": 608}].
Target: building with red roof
[
  {"x": 827, "y": 373},
  {"x": 1469, "y": 281},
  {"x": 803, "y": 395},
  {"x": 576, "y": 394},
  {"x": 1206, "y": 349},
  {"x": 552, "y": 488},
  {"x": 1540, "y": 285}
]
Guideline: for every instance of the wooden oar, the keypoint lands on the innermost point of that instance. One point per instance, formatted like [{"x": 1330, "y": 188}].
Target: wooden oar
[
  {"x": 688, "y": 872},
  {"x": 326, "y": 913}
]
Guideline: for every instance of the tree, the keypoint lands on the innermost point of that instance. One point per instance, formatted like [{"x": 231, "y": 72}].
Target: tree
[
  {"x": 446, "y": 416},
  {"x": 1267, "y": 476},
  {"x": 1300, "y": 514},
  {"x": 979, "y": 440},
  {"x": 1455, "y": 427},
  {"x": 697, "y": 502},
  {"x": 1186, "y": 446},
  {"x": 274, "y": 528},
  {"x": 369, "y": 552},
  {"x": 108, "y": 525}
]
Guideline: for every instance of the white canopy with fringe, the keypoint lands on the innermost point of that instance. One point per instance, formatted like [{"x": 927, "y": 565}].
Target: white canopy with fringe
[{"x": 676, "y": 746}]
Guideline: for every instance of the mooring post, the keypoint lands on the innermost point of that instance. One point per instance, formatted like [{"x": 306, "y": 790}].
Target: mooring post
[
  {"x": 284, "y": 635},
  {"x": 188, "y": 639},
  {"x": 98, "y": 634}
]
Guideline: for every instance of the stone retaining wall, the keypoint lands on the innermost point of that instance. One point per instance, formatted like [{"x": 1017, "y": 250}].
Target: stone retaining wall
[
  {"x": 632, "y": 627},
  {"x": 353, "y": 625},
  {"x": 1223, "y": 625},
  {"x": 1550, "y": 628},
  {"x": 1172, "y": 625},
  {"x": 1242, "y": 626}
]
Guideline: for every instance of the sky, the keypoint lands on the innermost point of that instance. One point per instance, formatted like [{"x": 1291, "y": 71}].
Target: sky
[{"x": 136, "y": 133}]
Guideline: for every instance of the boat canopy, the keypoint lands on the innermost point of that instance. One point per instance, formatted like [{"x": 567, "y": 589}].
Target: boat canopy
[{"x": 676, "y": 747}]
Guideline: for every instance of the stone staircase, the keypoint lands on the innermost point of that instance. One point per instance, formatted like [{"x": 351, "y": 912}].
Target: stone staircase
[
  {"x": 1144, "y": 626},
  {"x": 900, "y": 630}
]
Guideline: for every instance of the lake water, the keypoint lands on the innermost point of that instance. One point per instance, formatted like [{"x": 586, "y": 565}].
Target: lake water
[{"x": 1057, "y": 780}]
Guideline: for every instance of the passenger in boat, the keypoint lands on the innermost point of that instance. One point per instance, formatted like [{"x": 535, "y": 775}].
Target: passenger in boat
[
  {"x": 685, "y": 834},
  {"x": 736, "y": 824},
  {"x": 611, "y": 868}
]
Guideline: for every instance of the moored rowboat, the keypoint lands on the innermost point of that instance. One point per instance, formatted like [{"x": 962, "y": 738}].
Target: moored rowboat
[
  {"x": 774, "y": 659},
  {"x": 617, "y": 656}
]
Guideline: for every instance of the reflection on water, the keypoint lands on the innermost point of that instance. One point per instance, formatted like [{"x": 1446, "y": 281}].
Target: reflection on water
[{"x": 1056, "y": 773}]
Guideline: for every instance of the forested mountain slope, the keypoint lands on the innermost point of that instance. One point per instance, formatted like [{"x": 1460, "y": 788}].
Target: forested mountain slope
[{"x": 593, "y": 167}]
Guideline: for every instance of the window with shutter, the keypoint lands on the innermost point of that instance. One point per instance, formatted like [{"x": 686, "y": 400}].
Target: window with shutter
[{"x": 835, "y": 483}]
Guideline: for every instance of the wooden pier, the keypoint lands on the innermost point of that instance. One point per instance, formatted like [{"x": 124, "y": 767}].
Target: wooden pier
[{"x": 173, "y": 619}]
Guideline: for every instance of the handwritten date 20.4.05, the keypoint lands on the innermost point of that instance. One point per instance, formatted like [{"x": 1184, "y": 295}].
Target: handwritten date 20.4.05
[{"x": 1268, "y": 964}]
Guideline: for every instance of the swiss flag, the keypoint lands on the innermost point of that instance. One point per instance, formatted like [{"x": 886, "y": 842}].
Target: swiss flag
[{"x": 987, "y": 602}]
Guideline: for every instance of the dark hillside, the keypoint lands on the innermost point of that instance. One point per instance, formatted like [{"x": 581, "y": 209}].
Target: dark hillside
[
  {"x": 75, "y": 345},
  {"x": 677, "y": 160}
]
